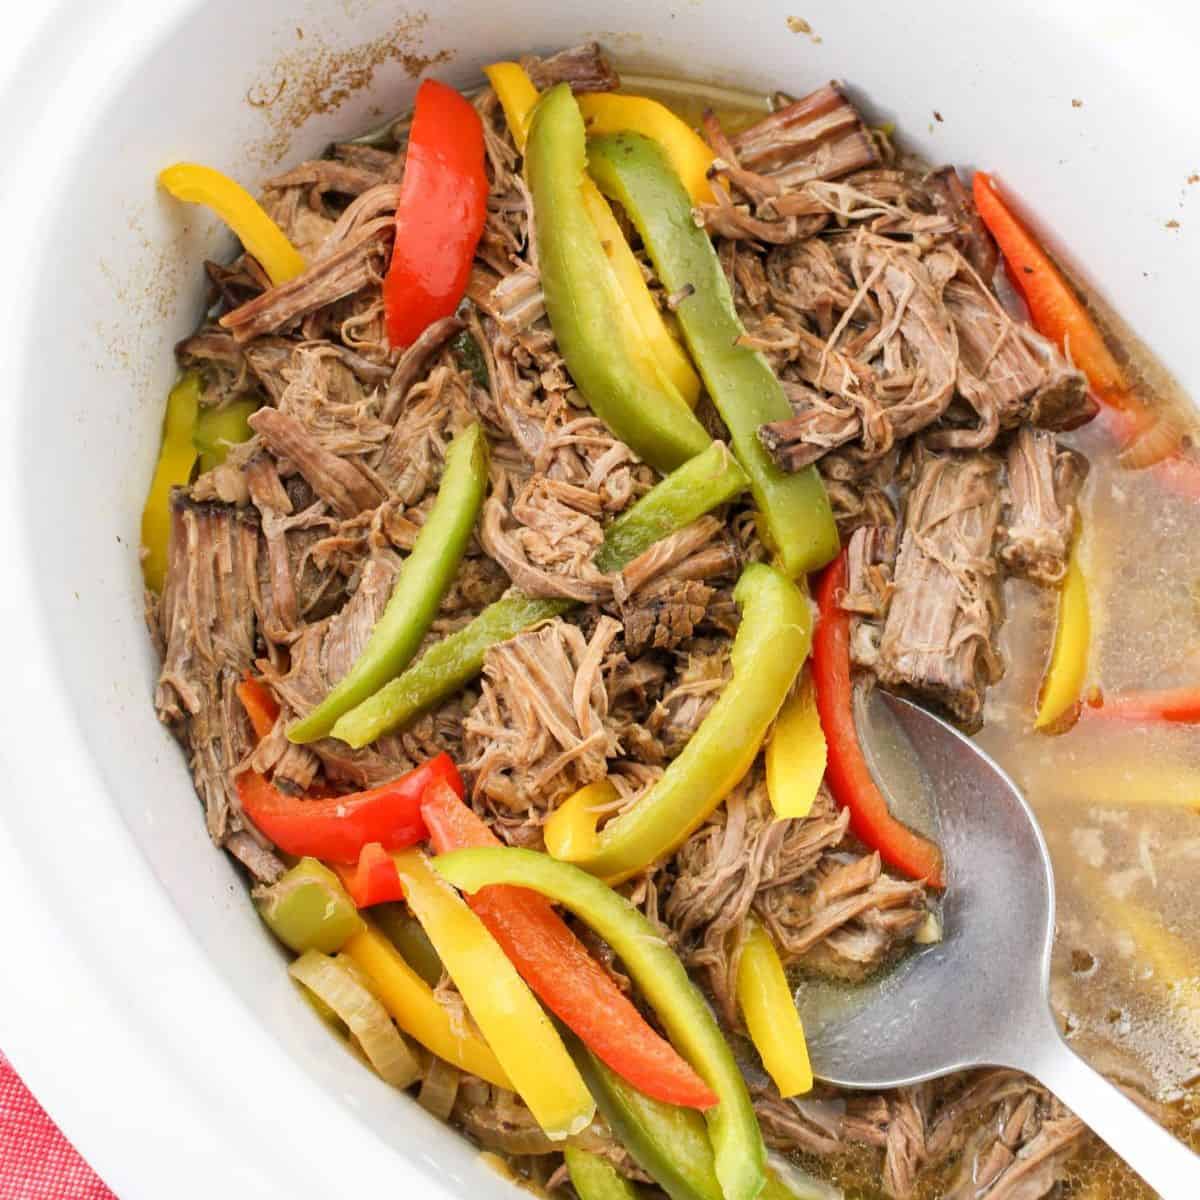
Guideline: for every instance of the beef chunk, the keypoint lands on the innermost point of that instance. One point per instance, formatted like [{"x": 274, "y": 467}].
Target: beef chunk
[
  {"x": 1039, "y": 515},
  {"x": 207, "y": 618},
  {"x": 584, "y": 67},
  {"x": 937, "y": 640},
  {"x": 539, "y": 730},
  {"x": 664, "y": 614},
  {"x": 971, "y": 235}
]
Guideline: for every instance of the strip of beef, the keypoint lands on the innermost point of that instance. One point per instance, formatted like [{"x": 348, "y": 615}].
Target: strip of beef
[
  {"x": 870, "y": 561},
  {"x": 1008, "y": 372},
  {"x": 971, "y": 236},
  {"x": 1039, "y": 514},
  {"x": 539, "y": 730},
  {"x": 357, "y": 264},
  {"x": 207, "y": 618},
  {"x": 768, "y": 165},
  {"x": 937, "y": 640},
  {"x": 703, "y": 672},
  {"x": 584, "y": 67}
]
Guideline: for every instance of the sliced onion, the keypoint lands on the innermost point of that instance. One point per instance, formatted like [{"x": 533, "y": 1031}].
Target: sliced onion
[
  {"x": 439, "y": 1088},
  {"x": 333, "y": 984}
]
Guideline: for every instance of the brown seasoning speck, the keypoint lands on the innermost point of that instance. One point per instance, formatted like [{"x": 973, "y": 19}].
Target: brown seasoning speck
[{"x": 1076, "y": 103}]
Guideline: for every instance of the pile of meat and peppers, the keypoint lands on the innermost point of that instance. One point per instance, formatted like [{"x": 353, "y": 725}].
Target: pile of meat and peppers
[{"x": 476, "y": 555}]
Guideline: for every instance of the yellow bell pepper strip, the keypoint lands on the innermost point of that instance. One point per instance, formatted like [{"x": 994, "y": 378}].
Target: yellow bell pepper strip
[
  {"x": 796, "y": 518},
  {"x": 595, "y": 1178},
  {"x": 335, "y": 984},
  {"x": 217, "y": 429},
  {"x": 686, "y": 150},
  {"x": 519, "y": 1032},
  {"x": 306, "y": 909},
  {"x": 709, "y": 479},
  {"x": 445, "y": 668},
  {"x": 768, "y": 652},
  {"x": 404, "y": 931},
  {"x": 587, "y": 309},
  {"x": 426, "y": 574},
  {"x": 678, "y": 1003},
  {"x": 769, "y": 1011},
  {"x": 241, "y": 212},
  {"x": 174, "y": 469},
  {"x": 796, "y": 753},
  {"x": 415, "y": 1008},
  {"x": 1065, "y": 675},
  {"x": 518, "y": 96},
  {"x": 570, "y": 831}
]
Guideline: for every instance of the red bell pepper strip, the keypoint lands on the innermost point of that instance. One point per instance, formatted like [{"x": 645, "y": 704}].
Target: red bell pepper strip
[
  {"x": 374, "y": 880},
  {"x": 847, "y": 772},
  {"x": 337, "y": 828},
  {"x": 443, "y": 205},
  {"x": 564, "y": 976},
  {"x": 259, "y": 704},
  {"x": 1181, "y": 705}
]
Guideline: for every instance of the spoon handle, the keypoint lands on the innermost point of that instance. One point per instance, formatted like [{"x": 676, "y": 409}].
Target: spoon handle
[{"x": 1167, "y": 1165}]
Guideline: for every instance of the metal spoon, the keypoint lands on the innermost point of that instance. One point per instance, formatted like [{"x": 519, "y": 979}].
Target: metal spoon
[{"x": 980, "y": 997}]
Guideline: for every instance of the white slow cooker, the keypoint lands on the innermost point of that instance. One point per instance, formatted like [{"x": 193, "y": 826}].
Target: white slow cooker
[{"x": 139, "y": 995}]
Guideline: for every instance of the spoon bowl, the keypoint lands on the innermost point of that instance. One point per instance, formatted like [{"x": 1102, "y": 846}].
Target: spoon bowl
[{"x": 980, "y": 996}]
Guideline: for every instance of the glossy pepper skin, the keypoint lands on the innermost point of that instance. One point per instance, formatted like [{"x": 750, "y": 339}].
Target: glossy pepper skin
[
  {"x": 414, "y": 1007},
  {"x": 216, "y": 429},
  {"x": 1067, "y": 669},
  {"x": 442, "y": 209},
  {"x": 797, "y": 521},
  {"x": 444, "y": 668},
  {"x": 260, "y": 236},
  {"x": 711, "y": 478},
  {"x": 518, "y": 1031},
  {"x": 373, "y": 880},
  {"x": 595, "y": 1178},
  {"x": 769, "y": 1010},
  {"x": 584, "y": 302},
  {"x": 563, "y": 975},
  {"x": 336, "y": 829},
  {"x": 173, "y": 469},
  {"x": 685, "y": 1015},
  {"x": 847, "y": 773},
  {"x": 307, "y": 909},
  {"x": 424, "y": 577},
  {"x": 796, "y": 754},
  {"x": 771, "y": 645}
]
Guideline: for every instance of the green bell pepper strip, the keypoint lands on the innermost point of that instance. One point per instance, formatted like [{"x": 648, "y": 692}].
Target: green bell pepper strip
[
  {"x": 669, "y": 1143},
  {"x": 445, "y": 668},
  {"x": 769, "y": 649},
  {"x": 739, "y": 1152},
  {"x": 173, "y": 469},
  {"x": 307, "y": 909},
  {"x": 584, "y": 302},
  {"x": 703, "y": 482},
  {"x": 426, "y": 574},
  {"x": 594, "y": 1178},
  {"x": 797, "y": 521},
  {"x": 216, "y": 429},
  {"x": 708, "y": 479},
  {"x": 404, "y": 931}
]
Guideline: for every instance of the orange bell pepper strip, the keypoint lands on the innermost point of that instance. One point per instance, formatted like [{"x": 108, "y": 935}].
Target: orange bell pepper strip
[
  {"x": 261, "y": 707},
  {"x": 373, "y": 880},
  {"x": 336, "y": 829},
  {"x": 562, "y": 974},
  {"x": 1055, "y": 309},
  {"x": 847, "y": 772}
]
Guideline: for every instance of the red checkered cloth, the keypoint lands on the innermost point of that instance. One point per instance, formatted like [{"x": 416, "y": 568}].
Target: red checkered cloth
[{"x": 36, "y": 1161}]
